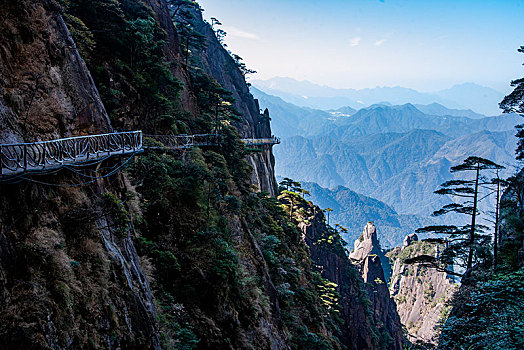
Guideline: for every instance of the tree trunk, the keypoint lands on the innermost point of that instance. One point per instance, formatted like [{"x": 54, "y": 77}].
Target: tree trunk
[
  {"x": 473, "y": 219},
  {"x": 496, "y": 238}
]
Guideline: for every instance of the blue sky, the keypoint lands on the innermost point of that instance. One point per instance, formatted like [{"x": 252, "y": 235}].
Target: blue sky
[{"x": 422, "y": 44}]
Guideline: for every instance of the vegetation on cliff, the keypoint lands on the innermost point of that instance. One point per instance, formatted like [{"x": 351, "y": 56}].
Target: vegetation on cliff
[
  {"x": 216, "y": 265},
  {"x": 180, "y": 250}
]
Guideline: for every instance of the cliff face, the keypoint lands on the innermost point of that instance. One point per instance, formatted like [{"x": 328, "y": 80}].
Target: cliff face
[
  {"x": 171, "y": 51},
  {"x": 421, "y": 294},
  {"x": 367, "y": 257},
  {"x": 218, "y": 63},
  {"x": 66, "y": 280},
  {"x": 366, "y": 327},
  {"x": 357, "y": 331},
  {"x": 47, "y": 91}
]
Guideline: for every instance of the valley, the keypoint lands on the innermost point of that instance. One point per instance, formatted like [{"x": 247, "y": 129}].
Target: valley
[
  {"x": 398, "y": 155},
  {"x": 154, "y": 195}
]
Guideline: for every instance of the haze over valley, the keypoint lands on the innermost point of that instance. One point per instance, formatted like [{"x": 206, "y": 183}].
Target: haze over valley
[{"x": 396, "y": 154}]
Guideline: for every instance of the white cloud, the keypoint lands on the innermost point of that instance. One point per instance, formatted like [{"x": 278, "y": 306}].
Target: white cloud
[
  {"x": 239, "y": 33},
  {"x": 379, "y": 42},
  {"x": 355, "y": 41}
]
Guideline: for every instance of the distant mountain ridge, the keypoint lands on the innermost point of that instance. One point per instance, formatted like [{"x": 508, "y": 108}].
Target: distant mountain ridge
[
  {"x": 440, "y": 110},
  {"x": 480, "y": 99},
  {"x": 396, "y": 154}
]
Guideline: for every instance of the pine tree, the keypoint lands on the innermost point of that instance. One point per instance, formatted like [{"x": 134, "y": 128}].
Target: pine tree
[
  {"x": 465, "y": 242},
  {"x": 514, "y": 103}
]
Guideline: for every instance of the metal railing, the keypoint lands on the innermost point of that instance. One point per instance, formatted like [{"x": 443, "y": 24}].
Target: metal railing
[
  {"x": 184, "y": 141},
  {"x": 22, "y": 157},
  {"x": 200, "y": 140},
  {"x": 262, "y": 142},
  {"x": 33, "y": 156}
]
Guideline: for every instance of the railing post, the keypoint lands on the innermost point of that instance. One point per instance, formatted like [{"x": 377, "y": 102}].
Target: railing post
[
  {"x": 1, "y": 161},
  {"x": 25, "y": 157},
  {"x": 98, "y": 146},
  {"x": 44, "y": 154},
  {"x": 123, "y": 143}
]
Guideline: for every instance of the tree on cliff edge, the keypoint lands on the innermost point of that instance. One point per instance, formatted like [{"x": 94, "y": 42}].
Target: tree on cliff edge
[
  {"x": 465, "y": 243},
  {"x": 514, "y": 103}
]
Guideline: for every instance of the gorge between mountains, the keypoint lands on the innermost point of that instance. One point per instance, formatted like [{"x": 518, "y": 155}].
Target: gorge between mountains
[{"x": 230, "y": 243}]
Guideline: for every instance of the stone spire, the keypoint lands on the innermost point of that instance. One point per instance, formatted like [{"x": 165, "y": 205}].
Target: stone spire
[{"x": 366, "y": 244}]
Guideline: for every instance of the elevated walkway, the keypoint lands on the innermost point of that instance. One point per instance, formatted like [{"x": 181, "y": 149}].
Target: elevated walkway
[{"x": 45, "y": 155}]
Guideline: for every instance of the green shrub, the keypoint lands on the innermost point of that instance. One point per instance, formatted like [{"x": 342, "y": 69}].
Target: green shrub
[{"x": 117, "y": 212}]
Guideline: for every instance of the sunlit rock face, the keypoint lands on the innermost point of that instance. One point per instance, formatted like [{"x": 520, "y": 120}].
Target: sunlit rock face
[
  {"x": 420, "y": 293},
  {"x": 410, "y": 239},
  {"x": 366, "y": 244},
  {"x": 369, "y": 257}
]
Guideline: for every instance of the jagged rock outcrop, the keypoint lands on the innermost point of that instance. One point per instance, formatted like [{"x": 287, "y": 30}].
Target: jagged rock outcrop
[
  {"x": 410, "y": 239},
  {"x": 362, "y": 330},
  {"x": 368, "y": 244},
  {"x": 421, "y": 293},
  {"x": 368, "y": 256}
]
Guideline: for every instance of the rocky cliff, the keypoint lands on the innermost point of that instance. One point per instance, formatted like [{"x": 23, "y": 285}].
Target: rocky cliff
[
  {"x": 358, "y": 328},
  {"x": 175, "y": 251},
  {"x": 47, "y": 91},
  {"x": 368, "y": 312},
  {"x": 218, "y": 63},
  {"x": 67, "y": 281},
  {"x": 422, "y": 294},
  {"x": 368, "y": 256}
]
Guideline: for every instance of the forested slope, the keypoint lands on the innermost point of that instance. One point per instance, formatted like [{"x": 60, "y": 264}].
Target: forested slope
[{"x": 161, "y": 249}]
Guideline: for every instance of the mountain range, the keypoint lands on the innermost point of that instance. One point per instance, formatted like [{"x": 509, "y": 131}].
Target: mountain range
[
  {"x": 397, "y": 154},
  {"x": 479, "y": 99}
]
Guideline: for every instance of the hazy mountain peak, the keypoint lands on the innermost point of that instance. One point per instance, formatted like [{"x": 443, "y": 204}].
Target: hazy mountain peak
[
  {"x": 471, "y": 85},
  {"x": 472, "y": 96},
  {"x": 440, "y": 110}
]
